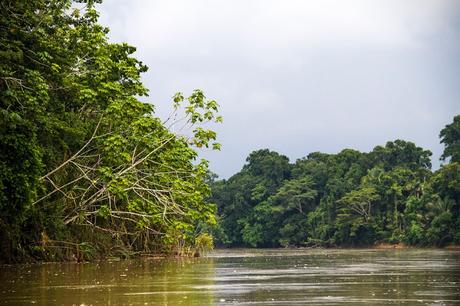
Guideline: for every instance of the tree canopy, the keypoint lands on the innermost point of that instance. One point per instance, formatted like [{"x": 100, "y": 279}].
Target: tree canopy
[{"x": 388, "y": 195}]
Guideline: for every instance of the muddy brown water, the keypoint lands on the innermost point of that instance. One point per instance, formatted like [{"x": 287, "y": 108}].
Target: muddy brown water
[{"x": 244, "y": 277}]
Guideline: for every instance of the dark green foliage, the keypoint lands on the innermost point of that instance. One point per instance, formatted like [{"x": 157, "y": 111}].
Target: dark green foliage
[
  {"x": 260, "y": 178},
  {"x": 402, "y": 154},
  {"x": 450, "y": 137},
  {"x": 347, "y": 199}
]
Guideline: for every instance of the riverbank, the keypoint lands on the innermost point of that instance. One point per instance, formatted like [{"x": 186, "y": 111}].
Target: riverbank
[
  {"x": 378, "y": 246},
  {"x": 385, "y": 246},
  {"x": 392, "y": 246}
]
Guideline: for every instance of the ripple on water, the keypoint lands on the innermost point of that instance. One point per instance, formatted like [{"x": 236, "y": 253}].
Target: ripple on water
[{"x": 262, "y": 277}]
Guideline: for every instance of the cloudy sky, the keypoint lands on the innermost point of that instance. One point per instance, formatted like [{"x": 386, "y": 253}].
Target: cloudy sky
[{"x": 301, "y": 76}]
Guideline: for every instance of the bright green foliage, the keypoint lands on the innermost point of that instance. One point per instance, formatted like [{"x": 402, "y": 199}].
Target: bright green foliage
[
  {"x": 348, "y": 199},
  {"x": 85, "y": 167},
  {"x": 354, "y": 219},
  {"x": 203, "y": 243}
]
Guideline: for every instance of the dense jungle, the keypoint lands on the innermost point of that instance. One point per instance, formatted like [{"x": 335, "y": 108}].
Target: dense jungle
[{"x": 88, "y": 170}]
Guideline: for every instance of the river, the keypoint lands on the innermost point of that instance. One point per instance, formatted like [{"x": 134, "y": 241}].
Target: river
[{"x": 245, "y": 277}]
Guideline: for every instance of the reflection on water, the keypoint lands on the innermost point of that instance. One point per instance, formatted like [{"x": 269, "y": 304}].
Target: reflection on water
[{"x": 229, "y": 277}]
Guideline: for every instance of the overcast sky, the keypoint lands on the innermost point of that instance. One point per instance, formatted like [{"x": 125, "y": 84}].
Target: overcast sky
[{"x": 301, "y": 76}]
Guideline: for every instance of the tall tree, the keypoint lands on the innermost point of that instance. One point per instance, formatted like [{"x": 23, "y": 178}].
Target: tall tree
[{"x": 450, "y": 137}]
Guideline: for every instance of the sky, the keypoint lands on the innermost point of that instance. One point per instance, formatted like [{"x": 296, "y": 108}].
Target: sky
[{"x": 301, "y": 76}]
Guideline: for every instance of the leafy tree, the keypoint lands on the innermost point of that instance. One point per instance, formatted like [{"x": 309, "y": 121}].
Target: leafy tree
[
  {"x": 288, "y": 210},
  {"x": 400, "y": 153},
  {"x": 359, "y": 202},
  {"x": 86, "y": 167},
  {"x": 445, "y": 185},
  {"x": 446, "y": 182},
  {"x": 440, "y": 230},
  {"x": 354, "y": 220},
  {"x": 270, "y": 166},
  {"x": 450, "y": 137},
  {"x": 237, "y": 198},
  {"x": 297, "y": 194}
]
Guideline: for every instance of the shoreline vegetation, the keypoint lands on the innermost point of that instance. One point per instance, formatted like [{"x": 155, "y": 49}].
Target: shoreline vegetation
[
  {"x": 378, "y": 246},
  {"x": 88, "y": 171},
  {"x": 164, "y": 256}
]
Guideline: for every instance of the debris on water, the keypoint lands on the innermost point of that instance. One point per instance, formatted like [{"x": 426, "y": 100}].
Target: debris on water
[{"x": 249, "y": 280}]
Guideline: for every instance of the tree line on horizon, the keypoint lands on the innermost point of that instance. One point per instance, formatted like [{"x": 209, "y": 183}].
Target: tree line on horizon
[{"x": 352, "y": 198}]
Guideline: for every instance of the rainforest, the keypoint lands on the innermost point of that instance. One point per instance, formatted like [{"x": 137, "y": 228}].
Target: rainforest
[
  {"x": 88, "y": 170},
  {"x": 352, "y": 199}
]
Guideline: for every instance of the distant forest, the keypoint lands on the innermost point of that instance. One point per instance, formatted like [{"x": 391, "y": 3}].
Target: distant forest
[{"x": 389, "y": 195}]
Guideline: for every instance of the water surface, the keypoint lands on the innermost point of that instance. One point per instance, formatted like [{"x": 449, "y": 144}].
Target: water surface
[{"x": 244, "y": 277}]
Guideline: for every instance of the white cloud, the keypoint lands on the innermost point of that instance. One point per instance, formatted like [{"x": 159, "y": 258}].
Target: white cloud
[
  {"x": 273, "y": 23},
  {"x": 298, "y": 75}
]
